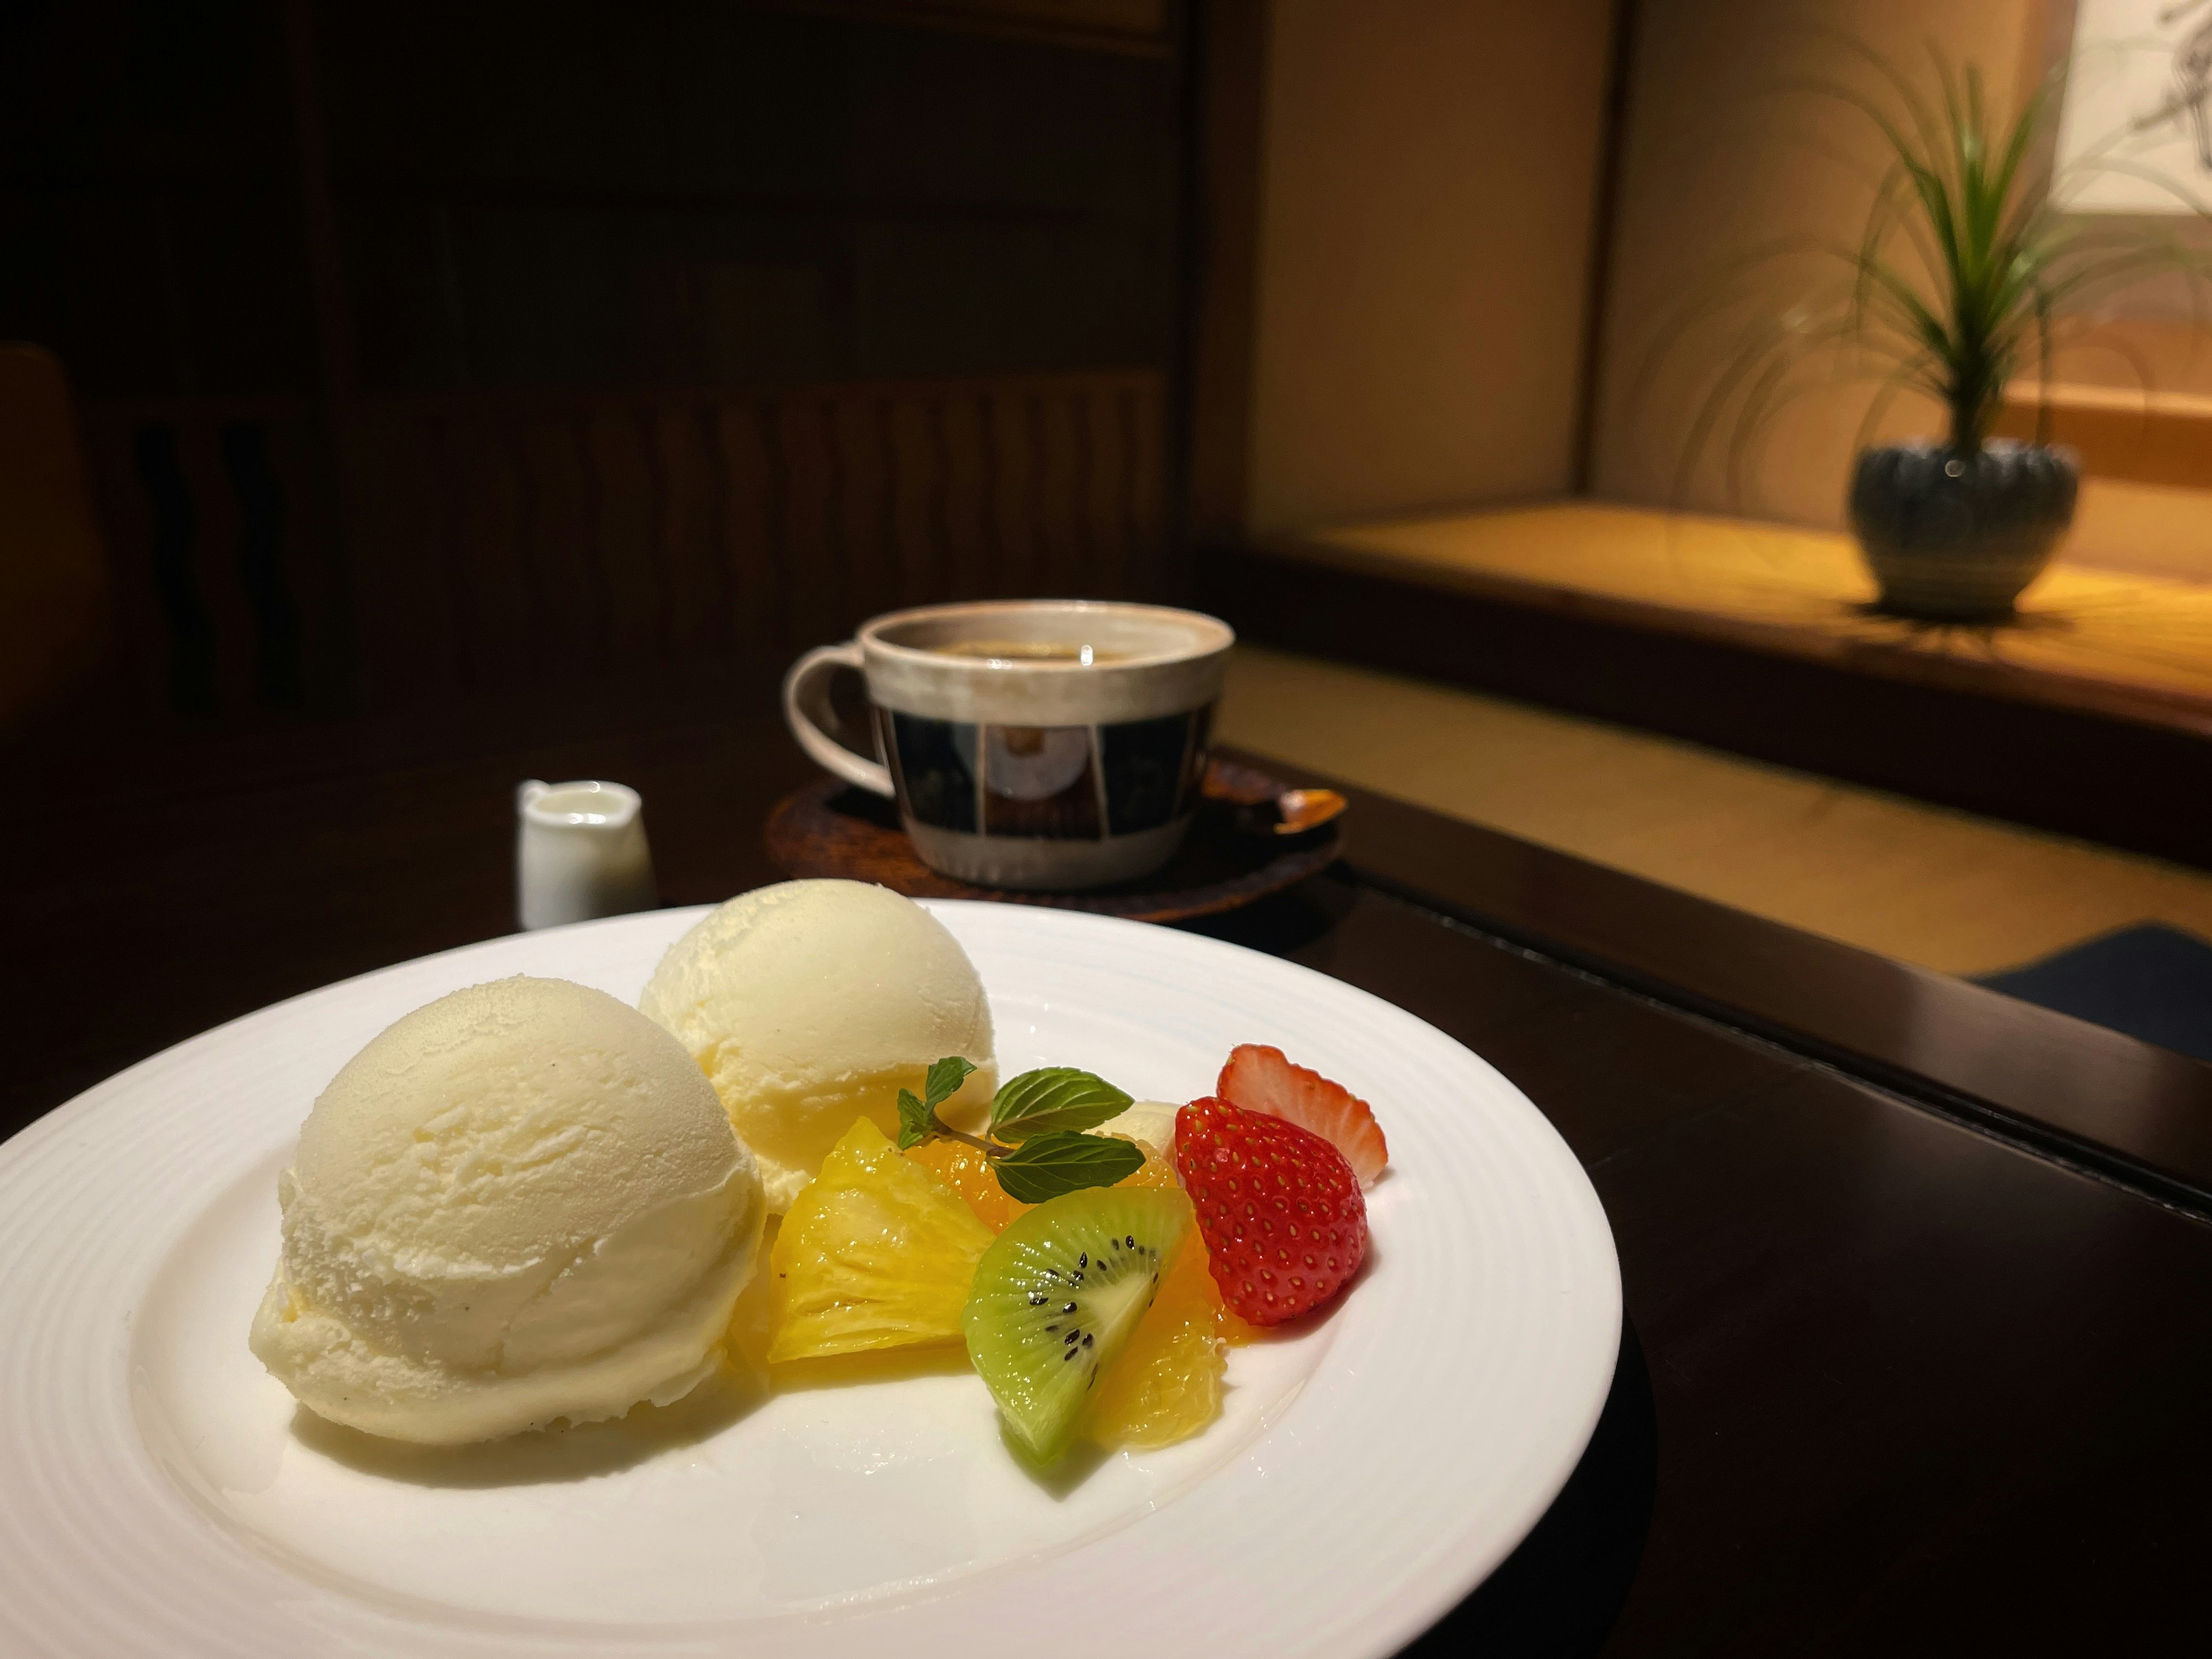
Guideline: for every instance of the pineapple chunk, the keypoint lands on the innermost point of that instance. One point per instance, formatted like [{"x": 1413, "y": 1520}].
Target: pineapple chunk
[{"x": 876, "y": 1252}]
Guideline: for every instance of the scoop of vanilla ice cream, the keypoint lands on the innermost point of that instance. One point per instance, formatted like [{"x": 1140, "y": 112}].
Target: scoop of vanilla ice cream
[
  {"x": 812, "y": 1004},
  {"x": 519, "y": 1204}
]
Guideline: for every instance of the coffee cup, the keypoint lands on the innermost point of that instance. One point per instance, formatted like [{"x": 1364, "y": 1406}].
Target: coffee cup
[{"x": 1041, "y": 743}]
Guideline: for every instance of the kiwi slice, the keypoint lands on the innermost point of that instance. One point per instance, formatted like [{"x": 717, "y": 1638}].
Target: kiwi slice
[{"x": 1056, "y": 1296}]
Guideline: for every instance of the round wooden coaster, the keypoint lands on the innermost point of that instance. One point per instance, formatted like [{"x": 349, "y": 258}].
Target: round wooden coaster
[{"x": 829, "y": 829}]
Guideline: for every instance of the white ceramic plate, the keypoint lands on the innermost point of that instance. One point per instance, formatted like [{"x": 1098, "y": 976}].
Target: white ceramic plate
[{"x": 159, "y": 1494}]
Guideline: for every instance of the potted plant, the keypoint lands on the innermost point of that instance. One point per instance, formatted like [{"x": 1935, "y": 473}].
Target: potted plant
[{"x": 1964, "y": 274}]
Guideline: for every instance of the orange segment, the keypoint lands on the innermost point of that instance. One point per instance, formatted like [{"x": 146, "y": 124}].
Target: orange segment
[
  {"x": 968, "y": 1172},
  {"x": 1167, "y": 1384},
  {"x": 1234, "y": 1331},
  {"x": 1158, "y": 1171}
]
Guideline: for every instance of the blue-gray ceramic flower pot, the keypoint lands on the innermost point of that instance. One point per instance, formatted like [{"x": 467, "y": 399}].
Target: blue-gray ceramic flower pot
[{"x": 1955, "y": 538}]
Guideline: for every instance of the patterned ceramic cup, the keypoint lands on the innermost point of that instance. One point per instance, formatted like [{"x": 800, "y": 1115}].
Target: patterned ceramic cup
[{"x": 1042, "y": 744}]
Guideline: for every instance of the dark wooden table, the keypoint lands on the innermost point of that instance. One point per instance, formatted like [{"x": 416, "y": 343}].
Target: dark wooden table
[{"x": 1916, "y": 1356}]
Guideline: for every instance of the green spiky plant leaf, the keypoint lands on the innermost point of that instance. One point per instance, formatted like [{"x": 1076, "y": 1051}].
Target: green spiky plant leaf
[{"x": 1967, "y": 272}]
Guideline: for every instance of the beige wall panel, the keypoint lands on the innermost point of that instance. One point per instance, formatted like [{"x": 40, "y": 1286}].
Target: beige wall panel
[
  {"x": 2154, "y": 530},
  {"x": 1722, "y": 156},
  {"x": 1427, "y": 207}
]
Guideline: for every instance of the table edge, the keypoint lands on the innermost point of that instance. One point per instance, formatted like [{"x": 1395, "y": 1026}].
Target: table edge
[{"x": 2122, "y": 1108}]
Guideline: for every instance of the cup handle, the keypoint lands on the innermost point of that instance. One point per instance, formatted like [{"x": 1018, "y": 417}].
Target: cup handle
[{"x": 805, "y": 691}]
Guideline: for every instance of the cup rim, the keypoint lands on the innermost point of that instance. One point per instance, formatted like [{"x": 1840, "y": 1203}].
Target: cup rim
[{"x": 870, "y": 636}]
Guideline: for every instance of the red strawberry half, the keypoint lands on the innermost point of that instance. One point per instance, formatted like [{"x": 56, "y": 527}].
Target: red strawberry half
[
  {"x": 1260, "y": 1079},
  {"x": 1279, "y": 1209}
]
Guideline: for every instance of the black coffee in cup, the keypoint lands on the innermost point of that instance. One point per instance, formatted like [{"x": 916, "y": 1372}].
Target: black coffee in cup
[{"x": 1085, "y": 655}]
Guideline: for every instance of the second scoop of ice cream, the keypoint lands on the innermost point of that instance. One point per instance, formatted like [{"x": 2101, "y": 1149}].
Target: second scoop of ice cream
[{"x": 811, "y": 1004}]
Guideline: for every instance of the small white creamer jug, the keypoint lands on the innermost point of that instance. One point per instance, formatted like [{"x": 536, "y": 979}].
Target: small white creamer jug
[{"x": 579, "y": 852}]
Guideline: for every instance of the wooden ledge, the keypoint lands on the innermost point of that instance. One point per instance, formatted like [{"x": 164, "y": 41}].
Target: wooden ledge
[
  {"x": 2136, "y": 646},
  {"x": 2092, "y": 715}
]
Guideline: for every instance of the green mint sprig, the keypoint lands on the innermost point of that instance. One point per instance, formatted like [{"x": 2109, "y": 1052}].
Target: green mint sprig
[
  {"x": 1036, "y": 1142},
  {"x": 917, "y": 1118}
]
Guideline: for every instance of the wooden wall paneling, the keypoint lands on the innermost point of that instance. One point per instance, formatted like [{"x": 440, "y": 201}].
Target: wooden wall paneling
[
  {"x": 918, "y": 530},
  {"x": 126, "y": 518},
  {"x": 499, "y": 539},
  {"x": 224, "y": 452},
  {"x": 962, "y": 426},
  {"x": 1101, "y": 506},
  {"x": 804, "y": 463},
  {"x": 696, "y": 564},
  {"x": 298, "y": 449},
  {"x": 472, "y": 488},
  {"x": 906, "y": 563},
  {"x": 1143, "y": 407},
  {"x": 404, "y": 576},
  {"x": 626, "y": 551},
  {"x": 488, "y": 543},
  {"x": 1064, "y": 565},
  {"x": 901, "y": 586},
  {"x": 340, "y": 673},
  {"x": 559, "y": 513},
  {"x": 488, "y": 633},
  {"x": 1104, "y": 507},
  {"x": 401, "y": 573},
  {"x": 251, "y": 473},
  {"x": 749, "y": 528},
  {"x": 1013, "y": 518},
  {"x": 865, "y": 485},
  {"x": 1226, "y": 129},
  {"x": 214, "y": 562},
  {"x": 443, "y": 548},
  {"x": 1134, "y": 26},
  {"x": 233, "y": 542},
  {"x": 1038, "y": 560}
]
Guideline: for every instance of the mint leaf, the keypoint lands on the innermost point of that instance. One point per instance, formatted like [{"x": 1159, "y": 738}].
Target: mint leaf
[
  {"x": 1053, "y": 1098},
  {"x": 916, "y": 1120},
  {"x": 945, "y": 1077},
  {"x": 1061, "y": 1161}
]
